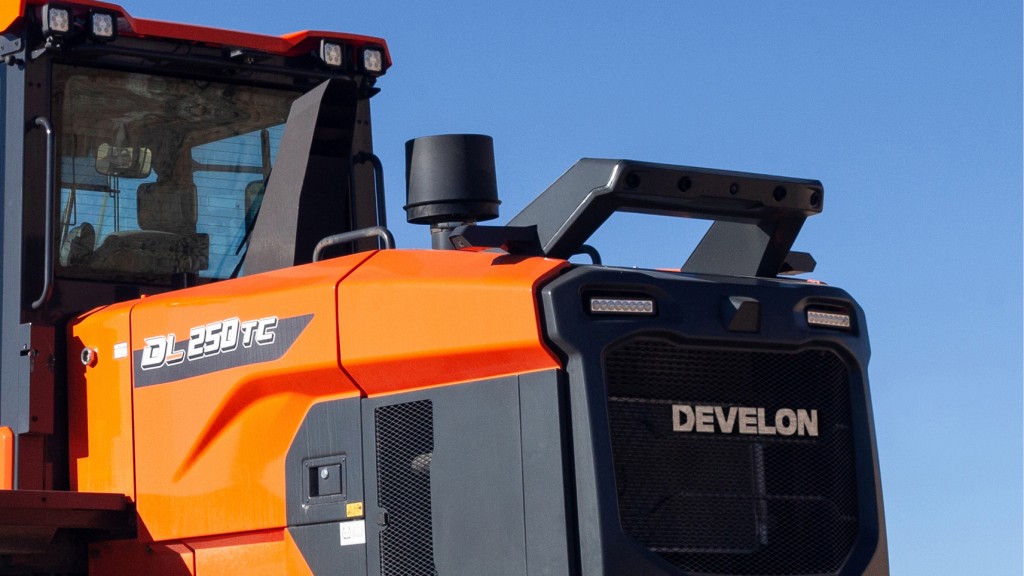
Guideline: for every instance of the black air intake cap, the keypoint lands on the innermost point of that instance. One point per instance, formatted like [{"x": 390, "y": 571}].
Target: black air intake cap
[{"x": 450, "y": 178}]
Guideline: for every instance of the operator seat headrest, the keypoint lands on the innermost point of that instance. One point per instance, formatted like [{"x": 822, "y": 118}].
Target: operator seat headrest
[{"x": 167, "y": 207}]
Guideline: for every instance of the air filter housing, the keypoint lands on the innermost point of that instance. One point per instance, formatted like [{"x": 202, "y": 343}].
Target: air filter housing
[{"x": 450, "y": 178}]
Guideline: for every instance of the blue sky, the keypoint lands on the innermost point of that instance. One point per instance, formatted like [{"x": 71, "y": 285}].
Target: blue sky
[{"x": 908, "y": 112}]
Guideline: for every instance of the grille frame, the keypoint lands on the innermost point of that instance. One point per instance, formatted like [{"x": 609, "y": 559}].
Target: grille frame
[
  {"x": 689, "y": 309},
  {"x": 715, "y": 546}
]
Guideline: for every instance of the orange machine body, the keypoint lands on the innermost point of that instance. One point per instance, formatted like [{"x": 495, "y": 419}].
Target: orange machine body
[{"x": 188, "y": 401}]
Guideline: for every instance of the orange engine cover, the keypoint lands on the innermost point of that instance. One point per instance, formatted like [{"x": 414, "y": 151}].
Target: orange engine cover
[{"x": 213, "y": 382}]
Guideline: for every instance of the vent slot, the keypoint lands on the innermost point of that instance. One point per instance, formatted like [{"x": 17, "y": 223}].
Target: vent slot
[{"x": 405, "y": 446}]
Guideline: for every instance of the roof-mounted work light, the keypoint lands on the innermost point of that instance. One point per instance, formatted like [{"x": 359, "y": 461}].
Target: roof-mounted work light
[
  {"x": 56, "y": 20},
  {"x": 332, "y": 54},
  {"x": 102, "y": 25},
  {"x": 372, "y": 60}
]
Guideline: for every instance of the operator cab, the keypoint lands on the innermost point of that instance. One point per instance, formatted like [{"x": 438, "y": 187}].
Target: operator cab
[
  {"x": 135, "y": 158},
  {"x": 157, "y": 152}
]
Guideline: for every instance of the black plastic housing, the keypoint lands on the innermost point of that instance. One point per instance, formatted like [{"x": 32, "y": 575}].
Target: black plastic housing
[{"x": 450, "y": 178}]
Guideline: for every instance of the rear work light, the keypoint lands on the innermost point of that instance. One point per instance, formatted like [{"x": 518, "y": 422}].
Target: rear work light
[
  {"x": 373, "y": 60},
  {"x": 637, "y": 306},
  {"x": 56, "y": 20},
  {"x": 332, "y": 54},
  {"x": 102, "y": 25},
  {"x": 825, "y": 319}
]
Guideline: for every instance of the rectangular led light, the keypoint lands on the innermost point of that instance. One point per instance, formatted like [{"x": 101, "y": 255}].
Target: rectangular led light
[
  {"x": 102, "y": 25},
  {"x": 639, "y": 306},
  {"x": 828, "y": 319},
  {"x": 332, "y": 54},
  {"x": 373, "y": 60},
  {"x": 56, "y": 20}
]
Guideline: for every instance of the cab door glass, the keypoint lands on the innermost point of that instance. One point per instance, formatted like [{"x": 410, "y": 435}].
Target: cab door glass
[{"x": 159, "y": 176}]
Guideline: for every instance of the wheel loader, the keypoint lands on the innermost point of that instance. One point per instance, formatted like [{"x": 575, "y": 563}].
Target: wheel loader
[{"x": 215, "y": 360}]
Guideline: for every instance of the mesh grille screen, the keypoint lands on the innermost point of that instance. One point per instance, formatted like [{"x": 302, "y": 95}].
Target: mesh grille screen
[
  {"x": 405, "y": 446},
  {"x": 718, "y": 503}
]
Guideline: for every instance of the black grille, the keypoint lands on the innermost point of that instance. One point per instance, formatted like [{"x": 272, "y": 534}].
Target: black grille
[
  {"x": 405, "y": 447},
  {"x": 730, "y": 503}
]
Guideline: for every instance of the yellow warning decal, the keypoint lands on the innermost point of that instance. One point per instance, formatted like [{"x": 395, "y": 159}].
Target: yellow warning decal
[{"x": 354, "y": 510}]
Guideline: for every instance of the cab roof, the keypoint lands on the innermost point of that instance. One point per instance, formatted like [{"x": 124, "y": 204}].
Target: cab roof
[{"x": 293, "y": 44}]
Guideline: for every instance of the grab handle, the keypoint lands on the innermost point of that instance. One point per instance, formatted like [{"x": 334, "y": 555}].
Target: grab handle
[{"x": 48, "y": 238}]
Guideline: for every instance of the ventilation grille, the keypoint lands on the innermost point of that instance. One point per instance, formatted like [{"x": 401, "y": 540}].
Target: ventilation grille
[
  {"x": 405, "y": 447},
  {"x": 724, "y": 502}
]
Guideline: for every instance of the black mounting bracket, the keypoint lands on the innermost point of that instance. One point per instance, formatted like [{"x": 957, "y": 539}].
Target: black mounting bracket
[
  {"x": 10, "y": 44},
  {"x": 511, "y": 239}
]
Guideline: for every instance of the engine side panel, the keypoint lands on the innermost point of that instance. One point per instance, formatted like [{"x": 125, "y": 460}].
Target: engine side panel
[
  {"x": 459, "y": 480},
  {"x": 217, "y": 381}
]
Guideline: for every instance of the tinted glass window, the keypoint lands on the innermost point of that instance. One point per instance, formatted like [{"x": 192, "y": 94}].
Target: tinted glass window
[{"x": 159, "y": 176}]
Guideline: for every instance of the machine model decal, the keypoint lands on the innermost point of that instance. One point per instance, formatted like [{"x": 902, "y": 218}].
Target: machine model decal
[
  {"x": 215, "y": 346},
  {"x": 744, "y": 420}
]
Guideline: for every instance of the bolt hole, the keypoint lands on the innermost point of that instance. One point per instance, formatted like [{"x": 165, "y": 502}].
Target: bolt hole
[
  {"x": 734, "y": 188},
  {"x": 779, "y": 193},
  {"x": 685, "y": 184},
  {"x": 632, "y": 180},
  {"x": 815, "y": 199}
]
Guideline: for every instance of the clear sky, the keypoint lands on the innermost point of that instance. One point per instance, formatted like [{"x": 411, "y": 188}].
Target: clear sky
[{"x": 908, "y": 112}]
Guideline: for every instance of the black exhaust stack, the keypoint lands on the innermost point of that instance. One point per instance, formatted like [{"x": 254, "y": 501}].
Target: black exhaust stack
[{"x": 450, "y": 182}]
